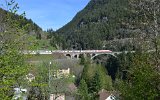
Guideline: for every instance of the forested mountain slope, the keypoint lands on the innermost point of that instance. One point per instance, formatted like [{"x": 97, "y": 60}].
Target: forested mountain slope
[
  {"x": 33, "y": 33},
  {"x": 30, "y": 26},
  {"x": 108, "y": 24}
]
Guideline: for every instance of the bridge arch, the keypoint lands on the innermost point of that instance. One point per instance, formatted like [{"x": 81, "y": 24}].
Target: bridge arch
[
  {"x": 68, "y": 55},
  {"x": 76, "y": 56}
]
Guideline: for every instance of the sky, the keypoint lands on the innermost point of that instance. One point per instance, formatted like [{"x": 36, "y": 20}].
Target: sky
[{"x": 51, "y": 13}]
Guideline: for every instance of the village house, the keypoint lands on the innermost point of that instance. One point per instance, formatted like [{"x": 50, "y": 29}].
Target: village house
[
  {"x": 59, "y": 96},
  {"x": 61, "y": 73},
  {"x": 108, "y": 95}
]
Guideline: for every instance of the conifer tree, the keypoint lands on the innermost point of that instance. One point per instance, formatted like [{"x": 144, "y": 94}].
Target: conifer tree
[
  {"x": 95, "y": 84},
  {"x": 83, "y": 90}
]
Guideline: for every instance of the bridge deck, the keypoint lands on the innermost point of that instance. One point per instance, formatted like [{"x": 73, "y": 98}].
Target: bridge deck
[{"x": 66, "y": 51}]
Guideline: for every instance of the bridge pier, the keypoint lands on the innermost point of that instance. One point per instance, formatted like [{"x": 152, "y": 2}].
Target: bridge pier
[
  {"x": 72, "y": 56},
  {"x": 75, "y": 56},
  {"x": 91, "y": 55}
]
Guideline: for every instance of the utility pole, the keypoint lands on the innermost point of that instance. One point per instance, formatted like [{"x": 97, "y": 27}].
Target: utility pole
[{"x": 49, "y": 76}]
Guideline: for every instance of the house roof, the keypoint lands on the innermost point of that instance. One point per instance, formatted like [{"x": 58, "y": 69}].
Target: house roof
[
  {"x": 104, "y": 94},
  {"x": 72, "y": 87}
]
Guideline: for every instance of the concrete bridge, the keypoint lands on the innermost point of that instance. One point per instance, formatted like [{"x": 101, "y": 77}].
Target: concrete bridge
[{"x": 76, "y": 53}]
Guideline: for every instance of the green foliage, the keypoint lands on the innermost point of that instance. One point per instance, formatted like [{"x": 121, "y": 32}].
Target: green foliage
[
  {"x": 105, "y": 79},
  {"x": 82, "y": 60},
  {"x": 39, "y": 88},
  {"x": 59, "y": 85},
  {"x": 95, "y": 84},
  {"x": 83, "y": 90},
  {"x": 47, "y": 81},
  {"x": 117, "y": 66},
  {"x": 56, "y": 40},
  {"x": 12, "y": 63},
  {"x": 30, "y": 32},
  {"x": 112, "y": 67},
  {"x": 19, "y": 21},
  {"x": 96, "y": 78},
  {"x": 142, "y": 81},
  {"x": 88, "y": 72},
  {"x": 142, "y": 74},
  {"x": 12, "y": 72}
]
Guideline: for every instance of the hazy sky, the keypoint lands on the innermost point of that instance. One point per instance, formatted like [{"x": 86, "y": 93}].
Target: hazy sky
[{"x": 51, "y": 13}]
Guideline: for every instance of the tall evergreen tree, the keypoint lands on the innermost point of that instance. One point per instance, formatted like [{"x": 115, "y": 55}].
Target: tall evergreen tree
[
  {"x": 83, "y": 90},
  {"x": 95, "y": 84}
]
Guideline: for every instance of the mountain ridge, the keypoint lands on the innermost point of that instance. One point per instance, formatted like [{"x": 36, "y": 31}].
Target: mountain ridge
[
  {"x": 98, "y": 20},
  {"x": 102, "y": 22}
]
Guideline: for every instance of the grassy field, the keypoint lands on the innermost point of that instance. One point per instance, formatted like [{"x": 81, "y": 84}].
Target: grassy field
[
  {"x": 36, "y": 44},
  {"x": 43, "y": 45}
]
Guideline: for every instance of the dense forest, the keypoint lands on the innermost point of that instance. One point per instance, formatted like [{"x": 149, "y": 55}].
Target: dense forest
[{"x": 110, "y": 24}]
